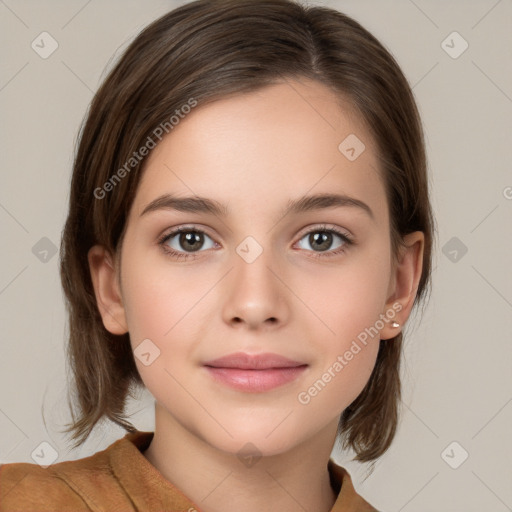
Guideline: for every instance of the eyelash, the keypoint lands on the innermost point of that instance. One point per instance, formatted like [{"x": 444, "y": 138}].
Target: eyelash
[{"x": 347, "y": 241}]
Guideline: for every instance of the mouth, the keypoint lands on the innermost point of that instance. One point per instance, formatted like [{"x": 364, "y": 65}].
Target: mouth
[{"x": 254, "y": 373}]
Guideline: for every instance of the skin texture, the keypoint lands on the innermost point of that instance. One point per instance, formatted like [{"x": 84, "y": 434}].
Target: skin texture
[{"x": 255, "y": 152}]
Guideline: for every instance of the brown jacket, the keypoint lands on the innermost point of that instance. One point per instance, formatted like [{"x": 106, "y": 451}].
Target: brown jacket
[{"x": 120, "y": 479}]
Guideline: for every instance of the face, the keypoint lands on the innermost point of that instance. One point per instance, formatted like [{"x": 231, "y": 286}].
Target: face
[{"x": 254, "y": 278}]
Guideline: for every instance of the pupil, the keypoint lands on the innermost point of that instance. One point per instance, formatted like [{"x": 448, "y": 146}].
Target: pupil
[
  {"x": 324, "y": 238},
  {"x": 191, "y": 238}
]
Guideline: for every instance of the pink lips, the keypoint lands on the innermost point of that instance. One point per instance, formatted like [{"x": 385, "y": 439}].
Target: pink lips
[{"x": 254, "y": 373}]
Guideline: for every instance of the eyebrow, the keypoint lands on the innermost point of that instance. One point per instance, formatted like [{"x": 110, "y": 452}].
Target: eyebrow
[{"x": 198, "y": 204}]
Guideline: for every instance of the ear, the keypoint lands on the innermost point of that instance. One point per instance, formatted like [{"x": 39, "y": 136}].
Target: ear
[
  {"x": 107, "y": 289},
  {"x": 403, "y": 284}
]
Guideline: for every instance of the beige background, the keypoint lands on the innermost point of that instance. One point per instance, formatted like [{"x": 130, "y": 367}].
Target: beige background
[{"x": 457, "y": 364}]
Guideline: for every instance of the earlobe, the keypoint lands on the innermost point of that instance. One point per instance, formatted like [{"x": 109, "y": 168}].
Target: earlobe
[
  {"x": 107, "y": 290},
  {"x": 404, "y": 281}
]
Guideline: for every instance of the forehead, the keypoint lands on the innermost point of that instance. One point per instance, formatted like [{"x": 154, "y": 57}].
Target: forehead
[{"x": 252, "y": 149}]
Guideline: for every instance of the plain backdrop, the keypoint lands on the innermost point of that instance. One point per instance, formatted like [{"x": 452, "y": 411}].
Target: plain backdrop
[{"x": 453, "y": 449}]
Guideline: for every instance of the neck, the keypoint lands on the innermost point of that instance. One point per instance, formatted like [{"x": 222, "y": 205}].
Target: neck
[{"x": 219, "y": 481}]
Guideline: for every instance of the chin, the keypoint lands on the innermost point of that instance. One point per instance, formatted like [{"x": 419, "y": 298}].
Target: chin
[
  {"x": 246, "y": 446},
  {"x": 256, "y": 438}
]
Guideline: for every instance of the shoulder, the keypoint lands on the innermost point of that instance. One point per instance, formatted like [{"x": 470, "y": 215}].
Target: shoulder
[
  {"x": 78, "y": 485},
  {"x": 25, "y": 486},
  {"x": 348, "y": 497}
]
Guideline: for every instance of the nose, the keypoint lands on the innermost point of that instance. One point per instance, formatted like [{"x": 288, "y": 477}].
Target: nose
[{"x": 255, "y": 294}]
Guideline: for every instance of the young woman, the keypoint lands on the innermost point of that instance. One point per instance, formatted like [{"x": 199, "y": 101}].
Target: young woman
[{"x": 249, "y": 229}]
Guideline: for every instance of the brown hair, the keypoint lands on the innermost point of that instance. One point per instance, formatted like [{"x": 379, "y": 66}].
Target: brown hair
[{"x": 206, "y": 50}]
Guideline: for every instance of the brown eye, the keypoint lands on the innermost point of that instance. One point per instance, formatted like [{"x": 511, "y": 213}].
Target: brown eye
[
  {"x": 185, "y": 240},
  {"x": 322, "y": 240},
  {"x": 191, "y": 241}
]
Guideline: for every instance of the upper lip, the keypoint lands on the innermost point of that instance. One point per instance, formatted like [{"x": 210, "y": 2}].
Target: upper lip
[{"x": 245, "y": 361}]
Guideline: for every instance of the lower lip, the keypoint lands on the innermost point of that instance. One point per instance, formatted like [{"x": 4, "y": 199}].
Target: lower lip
[{"x": 255, "y": 381}]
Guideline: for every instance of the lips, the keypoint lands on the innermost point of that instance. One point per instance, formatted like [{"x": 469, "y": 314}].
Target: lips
[
  {"x": 254, "y": 373},
  {"x": 245, "y": 361}
]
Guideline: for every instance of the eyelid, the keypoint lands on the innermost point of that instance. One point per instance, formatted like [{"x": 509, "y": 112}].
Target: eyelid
[
  {"x": 342, "y": 233},
  {"x": 176, "y": 230},
  {"x": 305, "y": 231},
  {"x": 186, "y": 227},
  {"x": 326, "y": 227}
]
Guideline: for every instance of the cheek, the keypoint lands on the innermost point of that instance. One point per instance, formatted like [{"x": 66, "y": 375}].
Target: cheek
[
  {"x": 169, "y": 307},
  {"x": 348, "y": 302},
  {"x": 348, "y": 298},
  {"x": 159, "y": 307},
  {"x": 160, "y": 300},
  {"x": 340, "y": 382}
]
